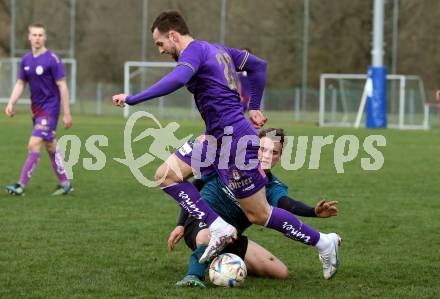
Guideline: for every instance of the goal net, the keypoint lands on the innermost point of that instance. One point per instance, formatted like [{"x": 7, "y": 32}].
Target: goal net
[
  {"x": 139, "y": 75},
  {"x": 9, "y": 68},
  {"x": 342, "y": 101}
]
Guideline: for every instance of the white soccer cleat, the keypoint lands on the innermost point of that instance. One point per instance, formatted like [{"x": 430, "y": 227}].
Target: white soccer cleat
[
  {"x": 219, "y": 239},
  {"x": 330, "y": 257}
]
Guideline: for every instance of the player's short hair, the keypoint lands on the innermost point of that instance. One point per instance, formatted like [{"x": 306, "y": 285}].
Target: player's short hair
[
  {"x": 37, "y": 25},
  {"x": 170, "y": 20},
  {"x": 269, "y": 132}
]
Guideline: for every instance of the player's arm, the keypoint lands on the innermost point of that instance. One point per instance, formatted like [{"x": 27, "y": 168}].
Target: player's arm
[
  {"x": 178, "y": 231},
  {"x": 255, "y": 68},
  {"x": 323, "y": 209},
  {"x": 174, "y": 80},
  {"x": 187, "y": 65},
  {"x": 57, "y": 69},
  {"x": 64, "y": 94},
  {"x": 256, "y": 71},
  {"x": 296, "y": 207},
  {"x": 17, "y": 91}
]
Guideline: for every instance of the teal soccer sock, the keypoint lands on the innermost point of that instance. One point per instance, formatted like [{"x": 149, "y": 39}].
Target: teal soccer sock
[{"x": 196, "y": 268}]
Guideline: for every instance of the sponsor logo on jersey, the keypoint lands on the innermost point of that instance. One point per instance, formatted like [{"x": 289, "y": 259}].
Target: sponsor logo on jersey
[
  {"x": 41, "y": 127},
  {"x": 26, "y": 68},
  {"x": 236, "y": 175},
  {"x": 234, "y": 185},
  {"x": 39, "y": 70}
]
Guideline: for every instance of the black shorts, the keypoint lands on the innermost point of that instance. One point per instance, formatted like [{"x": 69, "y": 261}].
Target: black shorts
[{"x": 192, "y": 228}]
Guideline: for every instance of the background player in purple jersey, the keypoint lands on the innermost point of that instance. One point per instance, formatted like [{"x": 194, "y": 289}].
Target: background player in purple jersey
[
  {"x": 210, "y": 73},
  {"x": 44, "y": 72}
]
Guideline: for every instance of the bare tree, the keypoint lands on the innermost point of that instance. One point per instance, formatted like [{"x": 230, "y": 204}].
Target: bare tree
[{"x": 5, "y": 20}]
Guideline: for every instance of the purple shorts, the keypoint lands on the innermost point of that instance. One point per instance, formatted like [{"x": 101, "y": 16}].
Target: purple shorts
[
  {"x": 45, "y": 127},
  {"x": 233, "y": 157}
]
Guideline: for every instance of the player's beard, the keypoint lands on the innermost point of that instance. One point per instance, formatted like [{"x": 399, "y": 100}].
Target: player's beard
[{"x": 174, "y": 54}]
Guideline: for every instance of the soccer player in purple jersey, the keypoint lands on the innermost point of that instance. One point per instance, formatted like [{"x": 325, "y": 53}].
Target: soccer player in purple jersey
[
  {"x": 44, "y": 72},
  {"x": 210, "y": 72}
]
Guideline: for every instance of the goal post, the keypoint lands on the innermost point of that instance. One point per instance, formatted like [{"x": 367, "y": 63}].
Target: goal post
[
  {"x": 9, "y": 68},
  {"x": 139, "y": 75},
  {"x": 343, "y": 99}
]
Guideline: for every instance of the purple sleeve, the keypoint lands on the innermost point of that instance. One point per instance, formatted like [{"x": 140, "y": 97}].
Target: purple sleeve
[
  {"x": 192, "y": 56},
  {"x": 57, "y": 68},
  {"x": 21, "y": 72},
  {"x": 171, "y": 82},
  {"x": 256, "y": 70}
]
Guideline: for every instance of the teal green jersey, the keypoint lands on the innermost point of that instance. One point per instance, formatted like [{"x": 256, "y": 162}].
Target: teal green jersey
[{"x": 224, "y": 203}]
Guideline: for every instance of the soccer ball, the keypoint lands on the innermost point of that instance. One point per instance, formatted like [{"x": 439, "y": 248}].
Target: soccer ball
[{"x": 227, "y": 270}]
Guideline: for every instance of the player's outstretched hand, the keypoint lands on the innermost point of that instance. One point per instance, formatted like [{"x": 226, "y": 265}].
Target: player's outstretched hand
[
  {"x": 175, "y": 236},
  {"x": 119, "y": 99},
  {"x": 257, "y": 118},
  {"x": 67, "y": 120},
  {"x": 324, "y": 209},
  {"x": 9, "y": 110}
]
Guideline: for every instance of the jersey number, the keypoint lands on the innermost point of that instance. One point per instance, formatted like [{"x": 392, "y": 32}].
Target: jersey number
[{"x": 225, "y": 59}]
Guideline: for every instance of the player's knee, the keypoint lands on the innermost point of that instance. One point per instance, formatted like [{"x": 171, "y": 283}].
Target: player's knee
[
  {"x": 258, "y": 216},
  {"x": 162, "y": 175},
  {"x": 159, "y": 173},
  {"x": 256, "y": 207},
  {"x": 255, "y": 218},
  {"x": 34, "y": 146},
  {"x": 202, "y": 237},
  {"x": 50, "y": 147}
]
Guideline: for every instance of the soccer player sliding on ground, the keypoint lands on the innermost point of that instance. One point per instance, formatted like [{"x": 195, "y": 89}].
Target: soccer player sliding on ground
[
  {"x": 210, "y": 72},
  {"x": 45, "y": 73}
]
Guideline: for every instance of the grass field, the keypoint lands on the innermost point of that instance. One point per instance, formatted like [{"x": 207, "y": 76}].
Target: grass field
[{"x": 109, "y": 239}]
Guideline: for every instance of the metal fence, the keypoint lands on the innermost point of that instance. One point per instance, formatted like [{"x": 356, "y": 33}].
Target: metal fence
[{"x": 300, "y": 39}]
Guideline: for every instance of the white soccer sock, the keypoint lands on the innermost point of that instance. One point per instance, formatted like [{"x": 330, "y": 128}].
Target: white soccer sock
[{"x": 323, "y": 242}]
